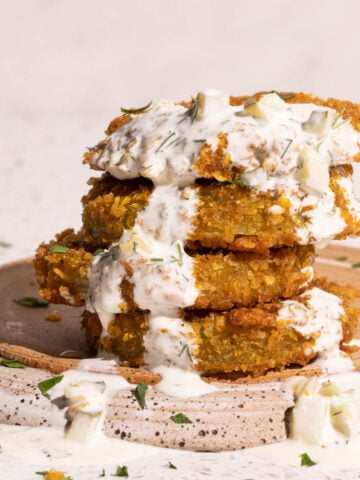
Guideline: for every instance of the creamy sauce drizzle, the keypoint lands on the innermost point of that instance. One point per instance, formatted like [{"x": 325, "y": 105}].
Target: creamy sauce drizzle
[
  {"x": 286, "y": 148},
  {"x": 24, "y": 449}
]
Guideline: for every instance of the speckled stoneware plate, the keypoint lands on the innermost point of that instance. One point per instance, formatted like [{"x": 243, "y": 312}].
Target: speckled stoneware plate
[{"x": 235, "y": 416}]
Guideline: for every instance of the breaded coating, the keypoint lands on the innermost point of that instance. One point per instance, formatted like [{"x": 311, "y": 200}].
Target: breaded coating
[
  {"x": 63, "y": 277},
  {"x": 228, "y": 215},
  {"x": 224, "y": 280},
  {"x": 245, "y": 340},
  {"x": 111, "y": 206}
]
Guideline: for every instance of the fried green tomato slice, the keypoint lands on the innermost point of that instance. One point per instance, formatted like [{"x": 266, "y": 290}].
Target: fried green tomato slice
[
  {"x": 223, "y": 279},
  {"x": 228, "y": 215},
  {"x": 244, "y": 340}
]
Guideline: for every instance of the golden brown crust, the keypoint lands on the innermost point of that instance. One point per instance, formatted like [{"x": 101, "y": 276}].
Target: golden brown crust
[
  {"x": 228, "y": 215},
  {"x": 223, "y": 279},
  {"x": 245, "y": 340}
]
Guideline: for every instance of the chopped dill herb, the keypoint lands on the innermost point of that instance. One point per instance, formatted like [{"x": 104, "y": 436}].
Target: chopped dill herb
[
  {"x": 290, "y": 141},
  {"x": 154, "y": 259},
  {"x": 171, "y": 465},
  {"x": 356, "y": 265},
  {"x": 180, "y": 254},
  {"x": 341, "y": 259},
  {"x": 336, "y": 122},
  {"x": 135, "y": 244},
  {"x": 186, "y": 349},
  {"x": 136, "y": 110},
  {"x": 191, "y": 112},
  {"x": 200, "y": 140},
  {"x": 171, "y": 134}
]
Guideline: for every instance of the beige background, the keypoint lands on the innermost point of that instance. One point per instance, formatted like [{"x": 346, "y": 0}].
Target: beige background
[{"x": 68, "y": 65}]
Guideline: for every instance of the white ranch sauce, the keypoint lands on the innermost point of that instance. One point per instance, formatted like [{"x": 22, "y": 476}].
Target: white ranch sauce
[
  {"x": 163, "y": 145},
  {"x": 25, "y": 450}
]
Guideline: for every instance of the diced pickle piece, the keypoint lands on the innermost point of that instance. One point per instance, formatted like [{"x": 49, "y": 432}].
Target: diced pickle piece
[
  {"x": 265, "y": 107},
  {"x": 211, "y": 102},
  {"x": 319, "y": 122},
  {"x": 314, "y": 172}
]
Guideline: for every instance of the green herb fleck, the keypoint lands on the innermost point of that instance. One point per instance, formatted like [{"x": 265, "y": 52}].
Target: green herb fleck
[
  {"x": 242, "y": 183},
  {"x": 102, "y": 474},
  {"x": 5, "y": 244},
  {"x": 191, "y": 112},
  {"x": 49, "y": 383},
  {"x": 180, "y": 418},
  {"x": 139, "y": 393},
  {"x": 337, "y": 413},
  {"x": 59, "y": 249},
  {"x": 121, "y": 472},
  {"x": 45, "y": 472},
  {"x": 136, "y": 110},
  {"x": 31, "y": 302},
  {"x": 186, "y": 349},
  {"x": 180, "y": 254},
  {"x": 290, "y": 141},
  {"x": 171, "y": 134},
  {"x": 135, "y": 244},
  {"x": 11, "y": 363},
  {"x": 356, "y": 265},
  {"x": 200, "y": 140},
  {"x": 306, "y": 460},
  {"x": 336, "y": 122},
  {"x": 171, "y": 465},
  {"x": 98, "y": 251},
  {"x": 155, "y": 259},
  {"x": 341, "y": 259}
]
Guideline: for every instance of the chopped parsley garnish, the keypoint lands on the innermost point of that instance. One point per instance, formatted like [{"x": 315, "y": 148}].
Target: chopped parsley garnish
[
  {"x": 356, "y": 265},
  {"x": 341, "y": 259},
  {"x": 31, "y": 302},
  {"x": 200, "y": 140},
  {"x": 139, "y": 393},
  {"x": 166, "y": 139},
  {"x": 171, "y": 465},
  {"x": 59, "y": 249},
  {"x": 49, "y": 383},
  {"x": 121, "y": 472},
  {"x": 180, "y": 418},
  {"x": 136, "y": 110},
  {"x": 290, "y": 141},
  {"x": 306, "y": 460},
  {"x": 11, "y": 363},
  {"x": 155, "y": 259},
  {"x": 102, "y": 474},
  {"x": 178, "y": 259}
]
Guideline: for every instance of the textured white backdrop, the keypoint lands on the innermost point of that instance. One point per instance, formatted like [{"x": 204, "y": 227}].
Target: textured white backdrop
[{"x": 68, "y": 65}]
